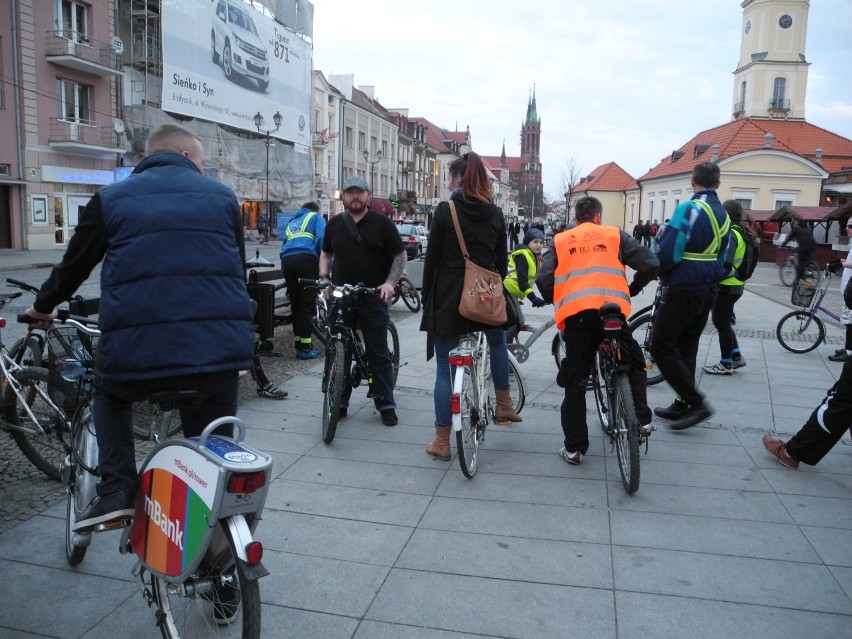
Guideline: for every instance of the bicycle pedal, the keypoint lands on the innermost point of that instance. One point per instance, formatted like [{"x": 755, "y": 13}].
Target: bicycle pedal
[{"x": 114, "y": 525}]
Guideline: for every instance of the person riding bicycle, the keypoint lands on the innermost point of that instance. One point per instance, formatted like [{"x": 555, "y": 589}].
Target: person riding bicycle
[
  {"x": 585, "y": 270},
  {"x": 806, "y": 245},
  {"x": 174, "y": 312},
  {"x": 362, "y": 246},
  {"x": 524, "y": 262}
]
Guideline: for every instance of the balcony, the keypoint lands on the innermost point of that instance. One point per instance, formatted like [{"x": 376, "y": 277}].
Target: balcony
[
  {"x": 779, "y": 104},
  {"x": 739, "y": 109},
  {"x": 89, "y": 138},
  {"x": 319, "y": 140},
  {"x": 406, "y": 166},
  {"x": 74, "y": 50}
]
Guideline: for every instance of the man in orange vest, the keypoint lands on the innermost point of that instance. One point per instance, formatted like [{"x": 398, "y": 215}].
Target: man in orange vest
[{"x": 583, "y": 272}]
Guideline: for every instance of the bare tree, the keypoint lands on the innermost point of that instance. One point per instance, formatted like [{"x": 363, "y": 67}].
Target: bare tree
[{"x": 569, "y": 177}]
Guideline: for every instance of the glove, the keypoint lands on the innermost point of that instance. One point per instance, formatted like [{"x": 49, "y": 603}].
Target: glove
[
  {"x": 536, "y": 301},
  {"x": 634, "y": 289},
  {"x": 835, "y": 266}
]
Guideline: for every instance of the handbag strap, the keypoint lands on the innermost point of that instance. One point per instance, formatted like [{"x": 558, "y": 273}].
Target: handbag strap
[{"x": 459, "y": 235}]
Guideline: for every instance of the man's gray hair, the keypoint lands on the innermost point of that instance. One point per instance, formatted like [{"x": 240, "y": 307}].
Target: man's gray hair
[{"x": 170, "y": 138}]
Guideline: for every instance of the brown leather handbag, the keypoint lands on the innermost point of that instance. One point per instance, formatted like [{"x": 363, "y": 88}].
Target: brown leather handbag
[{"x": 482, "y": 297}]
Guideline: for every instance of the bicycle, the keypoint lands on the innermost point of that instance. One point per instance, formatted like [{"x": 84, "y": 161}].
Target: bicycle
[
  {"x": 789, "y": 270},
  {"x": 641, "y": 324},
  {"x": 614, "y": 398},
  {"x": 346, "y": 362},
  {"x": 197, "y": 506},
  {"x": 409, "y": 294},
  {"x": 521, "y": 350},
  {"x": 801, "y": 331},
  {"x": 473, "y": 398}
]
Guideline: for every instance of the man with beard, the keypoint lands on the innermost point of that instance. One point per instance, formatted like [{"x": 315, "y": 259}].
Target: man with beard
[{"x": 362, "y": 246}]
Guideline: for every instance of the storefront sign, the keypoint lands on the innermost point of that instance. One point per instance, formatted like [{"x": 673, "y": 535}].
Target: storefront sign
[{"x": 73, "y": 175}]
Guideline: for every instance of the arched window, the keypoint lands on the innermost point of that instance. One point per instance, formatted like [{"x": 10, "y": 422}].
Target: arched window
[{"x": 778, "y": 91}]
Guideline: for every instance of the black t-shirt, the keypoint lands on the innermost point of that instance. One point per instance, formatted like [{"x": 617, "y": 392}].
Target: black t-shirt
[{"x": 367, "y": 261}]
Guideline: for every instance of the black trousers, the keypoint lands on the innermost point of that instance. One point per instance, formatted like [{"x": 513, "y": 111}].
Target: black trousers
[
  {"x": 302, "y": 301},
  {"x": 723, "y": 309},
  {"x": 583, "y": 334},
  {"x": 680, "y": 319},
  {"x": 827, "y": 423}
]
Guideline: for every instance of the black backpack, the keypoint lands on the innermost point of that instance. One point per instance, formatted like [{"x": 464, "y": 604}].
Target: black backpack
[{"x": 752, "y": 249}]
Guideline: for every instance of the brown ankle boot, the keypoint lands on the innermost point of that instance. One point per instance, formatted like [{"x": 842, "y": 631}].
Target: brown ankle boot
[
  {"x": 440, "y": 446},
  {"x": 504, "y": 412}
]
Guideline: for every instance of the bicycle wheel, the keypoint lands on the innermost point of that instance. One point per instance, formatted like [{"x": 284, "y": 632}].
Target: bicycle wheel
[
  {"x": 80, "y": 487},
  {"x": 189, "y": 612},
  {"x": 409, "y": 295},
  {"x": 393, "y": 347},
  {"x": 557, "y": 347},
  {"x": 48, "y": 442},
  {"x": 625, "y": 429},
  {"x": 468, "y": 438},
  {"x": 147, "y": 418},
  {"x": 800, "y": 332},
  {"x": 335, "y": 376},
  {"x": 33, "y": 353},
  {"x": 516, "y": 388},
  {"x": 643, "y": 330},
  {"x": 600, "y": 391},
  {"x": 787, "y": 271}
]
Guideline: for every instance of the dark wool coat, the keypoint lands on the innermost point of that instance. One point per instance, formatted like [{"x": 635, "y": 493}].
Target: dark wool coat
[{"x": 484, "y": 232}]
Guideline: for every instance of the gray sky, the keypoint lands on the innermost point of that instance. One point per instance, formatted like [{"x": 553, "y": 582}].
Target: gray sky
[{"x": 615, "y": 80}]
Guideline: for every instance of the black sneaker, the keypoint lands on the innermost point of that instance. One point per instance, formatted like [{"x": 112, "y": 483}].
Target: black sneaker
[
  {"x": 341, "y": 413},
  {"x": 271, "y": 391},
  {"x": 692, "y": 416},
  {"x": 674, "y": 411},
  {"x": 105, "y": 510},
  {"x": 389, "y": 417},
  {"x": 226, "y": 604}
]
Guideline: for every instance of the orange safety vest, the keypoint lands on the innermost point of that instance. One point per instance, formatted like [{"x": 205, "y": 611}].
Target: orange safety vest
[{"x": 589, "y": 273}]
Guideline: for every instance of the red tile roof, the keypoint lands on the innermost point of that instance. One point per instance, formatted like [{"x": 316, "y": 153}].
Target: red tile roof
[
  {"x": 435, "y": 135},
  {"x": 493, "y": 163},
  {"x": 739, "y": 136},
  {"x": 607, "y": 177}
]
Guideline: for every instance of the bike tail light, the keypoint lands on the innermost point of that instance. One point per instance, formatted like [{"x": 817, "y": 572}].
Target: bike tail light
[
  {"x": 455, "y": 403},
  {"x": 254, "y": 552},
  {"x": 2, "y": 323},
  {"x": 612, "y": 325},
  {"x": 460, "y": 360},
  {"x": 247, "y": 483}
]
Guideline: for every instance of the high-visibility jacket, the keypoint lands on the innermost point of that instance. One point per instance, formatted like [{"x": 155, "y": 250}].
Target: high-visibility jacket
[
  {"x": 716, "y": 246},
  {"x": 588, "y": 272},
  {"x": 511, "y": 280},
  {"x": 739, "y": 255}
]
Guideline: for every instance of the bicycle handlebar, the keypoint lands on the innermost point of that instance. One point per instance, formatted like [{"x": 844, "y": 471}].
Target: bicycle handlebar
[
  {"x": 22, "y": 285},
  {"x": 345, "y": 289},
  {"x": 65, "y": 318}
]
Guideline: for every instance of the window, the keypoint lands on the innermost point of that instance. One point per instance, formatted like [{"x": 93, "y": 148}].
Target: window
[
  {"x": 72, "y": 101},
  {"x": 663, "y": 209},
  {"x": 779, "y": 204},
  {"x": 385, "y": 149},
  {"x": 71, "y": 20},
  {"x": 745, "y": 203},
  {"x": 778, "y": 89},
  {"x": 347, "y": 137},
  {"x": 651, "y": 208},
  {"x": 362, "y": 140},
  {"x": 373, "y": 145}
]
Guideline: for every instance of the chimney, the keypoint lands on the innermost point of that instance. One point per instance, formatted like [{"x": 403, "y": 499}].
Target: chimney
[
  {"x": 715, "y": 157},
  {"x": 767, "y": 141},
  {"x": 818, "y": 153},
  {"x": 369, "y": 90}
]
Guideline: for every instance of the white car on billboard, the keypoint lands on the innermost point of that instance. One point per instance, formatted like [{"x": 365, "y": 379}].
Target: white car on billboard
[{"x": 234, "y": 41}]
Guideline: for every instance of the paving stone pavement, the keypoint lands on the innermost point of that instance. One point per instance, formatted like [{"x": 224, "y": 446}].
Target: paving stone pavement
[{"x": 369, "y": 537}]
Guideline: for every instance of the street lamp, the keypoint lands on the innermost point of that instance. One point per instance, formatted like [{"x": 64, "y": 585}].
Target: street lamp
[
  {"x": 372, "y": 163},
  {"x": 259, "y": 122}
]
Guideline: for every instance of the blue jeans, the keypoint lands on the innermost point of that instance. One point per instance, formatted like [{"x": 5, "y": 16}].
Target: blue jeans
[
  {"x": 444, "y": 385},
  {"x": 372, "y": 315}
]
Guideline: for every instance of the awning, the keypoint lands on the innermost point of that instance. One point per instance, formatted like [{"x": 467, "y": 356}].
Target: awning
[
  {"x": 809, "y": 213},
  {"x": 842, "y": 187},
  {"x": 380, "y": 205},
  {"x": 758, "y": 215}
]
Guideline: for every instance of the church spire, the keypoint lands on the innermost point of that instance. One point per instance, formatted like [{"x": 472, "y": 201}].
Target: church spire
[
  {"x": 503, "y": 154},
  {"x": 532, "y": 114}
]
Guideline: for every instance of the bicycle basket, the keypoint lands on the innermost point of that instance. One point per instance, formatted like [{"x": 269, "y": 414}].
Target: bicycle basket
[
  {"x": 804, "y": 290},
  {"x": 70, "y": 356}
]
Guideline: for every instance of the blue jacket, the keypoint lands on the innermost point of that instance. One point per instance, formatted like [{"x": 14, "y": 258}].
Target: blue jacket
[
  {"x": 173, "y": 292},
  {"x": 691, "y": 232},
  {"x": 294, "y": 240}
]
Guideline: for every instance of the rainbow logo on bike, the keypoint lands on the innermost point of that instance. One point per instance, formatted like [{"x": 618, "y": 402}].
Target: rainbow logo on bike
[{"x": 173, "y": 507}]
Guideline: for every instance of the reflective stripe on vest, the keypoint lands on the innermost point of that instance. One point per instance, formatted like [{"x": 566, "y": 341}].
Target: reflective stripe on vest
[
  {"x": 711, "y": 253},
  {"x": 301, "y": 232},
  {"x": 588, "y": 273}
]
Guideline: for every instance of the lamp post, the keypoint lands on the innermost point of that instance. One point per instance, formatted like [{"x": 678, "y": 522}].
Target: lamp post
[
  {"x": 259, "y": 122},
  {"x": 372, "y": 163}
]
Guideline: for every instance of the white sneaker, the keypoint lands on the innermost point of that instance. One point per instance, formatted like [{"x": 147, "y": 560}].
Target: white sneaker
[
  {"x": 718, "y": 369},
  {"x": 571, "y": 458},
  {"x": 648, "y": 428}
]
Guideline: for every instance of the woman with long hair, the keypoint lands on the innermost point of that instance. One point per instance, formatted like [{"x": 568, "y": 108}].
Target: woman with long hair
[{"x": 484, "y": 230}]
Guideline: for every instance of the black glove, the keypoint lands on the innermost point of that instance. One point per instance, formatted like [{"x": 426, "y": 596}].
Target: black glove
[
  {"x": 536, "y": 301},
  {"x": 835, "y": 266},
  {"x": 634, "y": 289}
]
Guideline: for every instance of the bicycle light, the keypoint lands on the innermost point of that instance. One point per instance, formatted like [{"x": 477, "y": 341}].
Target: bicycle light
[
  {"x": 254, "y": 552},
  {"x": 460, "y": 360},
  {"x": 612, "y": 325},
  {"x": 455, "y": 403},
  {"x": 337, "y": 294},
  {"x": 2, "y": 323},
  {"x": 246, "y": 483}
]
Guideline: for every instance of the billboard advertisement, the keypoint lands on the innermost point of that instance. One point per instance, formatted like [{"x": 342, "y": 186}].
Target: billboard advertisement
[{"x": 224, "y": 61}]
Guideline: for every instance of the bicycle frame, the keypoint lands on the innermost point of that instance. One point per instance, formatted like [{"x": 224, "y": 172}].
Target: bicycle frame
[
  {"x": 816, "y": 304},
  {"x": 472, "y": 352}
]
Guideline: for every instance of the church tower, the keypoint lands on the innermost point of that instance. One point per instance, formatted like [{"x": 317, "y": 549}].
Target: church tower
[
  {"x": 772, "y": 75},
  {"x": 530, "y": 191}
]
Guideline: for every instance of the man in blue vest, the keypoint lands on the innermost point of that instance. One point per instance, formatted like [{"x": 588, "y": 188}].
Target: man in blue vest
[
  {"x": 174, "y": 313},
  {"x": 301, "y": 245},
  {"x": 692, "y": 253}
]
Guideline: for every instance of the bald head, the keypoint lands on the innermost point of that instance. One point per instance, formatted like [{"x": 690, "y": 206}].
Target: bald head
[{"x": 173, "y": 138}]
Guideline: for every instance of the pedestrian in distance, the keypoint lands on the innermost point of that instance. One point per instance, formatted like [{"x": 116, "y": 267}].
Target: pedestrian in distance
[
  {"x": 822, "y": 431},
  {"x": 728, "y": 292},
  {"x": 638, "y": 231},
  {"x": 484, "y": 231},
  {"x": 584, "y": 271},
  {"x": 301, "y": 245},
  {"x": 361, "y": 246},
  {"x": 262, "y": 237},
  {"x": 805, "y": 246},
  {"x": 693, "y": 250},
  {"x": 157, "y": 331},
  {"x": 646, "y": 234}
]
